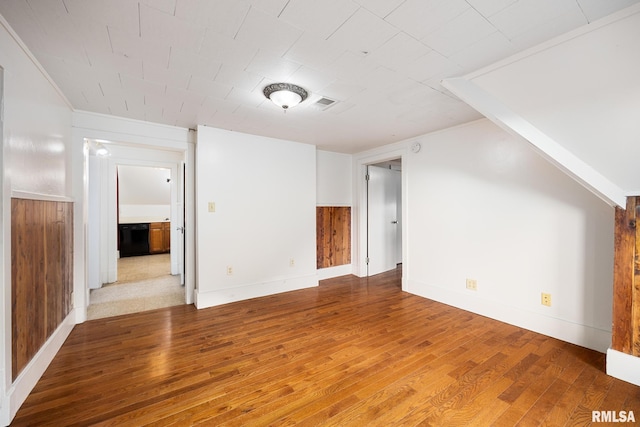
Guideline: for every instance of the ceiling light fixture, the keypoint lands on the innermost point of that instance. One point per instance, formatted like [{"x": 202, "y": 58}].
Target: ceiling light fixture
[{"x": 285, "y": 95}]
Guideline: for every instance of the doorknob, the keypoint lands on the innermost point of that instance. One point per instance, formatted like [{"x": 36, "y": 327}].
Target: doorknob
[{"x": 394, "y": 222}]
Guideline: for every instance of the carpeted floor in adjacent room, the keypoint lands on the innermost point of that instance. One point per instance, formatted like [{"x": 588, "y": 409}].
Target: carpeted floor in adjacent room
[{"x": 144, "y": 283}]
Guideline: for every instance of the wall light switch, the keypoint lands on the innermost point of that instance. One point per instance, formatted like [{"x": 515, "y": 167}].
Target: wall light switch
[{"x": 212, "y": 207}]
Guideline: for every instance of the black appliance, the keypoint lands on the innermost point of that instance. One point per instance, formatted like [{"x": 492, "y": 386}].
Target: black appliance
[{"x": 134, "y": 239}]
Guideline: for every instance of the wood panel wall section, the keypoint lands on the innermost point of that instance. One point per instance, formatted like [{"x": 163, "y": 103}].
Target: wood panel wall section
[
  {"x": 41, "y": 274},
  {"x": 626, "y": 281},
  {"x": 333, "y": 236}
]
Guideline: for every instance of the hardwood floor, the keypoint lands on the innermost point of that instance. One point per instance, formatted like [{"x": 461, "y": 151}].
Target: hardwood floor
[{"x": 351, "y": 352}]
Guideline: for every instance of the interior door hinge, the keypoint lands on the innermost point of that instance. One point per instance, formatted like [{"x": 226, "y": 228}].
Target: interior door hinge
[
  {"x": 367, "y": 260},
  {"x": 366, "y": 177}
]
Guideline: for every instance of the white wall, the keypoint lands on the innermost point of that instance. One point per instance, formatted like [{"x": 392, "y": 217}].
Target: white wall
[
  {"x": 144, "y": 193},
  {"x": 36, "y": 163},
  {"x": 264, "y": 192},
  {"x": 333, "y": 179},
  {"x": 481, "y": 204}
]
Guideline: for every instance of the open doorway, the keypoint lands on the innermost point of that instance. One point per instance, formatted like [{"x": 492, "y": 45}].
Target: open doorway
[
  {"x": 139, "y": 217},
  {"x": 384, "y": 216}
]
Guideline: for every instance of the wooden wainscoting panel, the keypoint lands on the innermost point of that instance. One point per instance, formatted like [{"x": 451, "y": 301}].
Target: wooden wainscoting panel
[
  {"x": 623, "y": 278},
  {"x": 333, "y": 236},
  {"x": 41, "y": 274}
]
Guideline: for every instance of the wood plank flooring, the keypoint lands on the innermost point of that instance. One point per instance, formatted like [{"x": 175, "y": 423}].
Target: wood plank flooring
[{"x": 351, "y": 352}]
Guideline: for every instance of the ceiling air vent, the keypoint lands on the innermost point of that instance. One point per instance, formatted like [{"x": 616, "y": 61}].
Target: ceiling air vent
[{"x": 323, "y": 103}]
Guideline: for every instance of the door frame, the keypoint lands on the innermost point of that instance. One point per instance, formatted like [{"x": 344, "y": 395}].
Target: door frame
[
  {"x": 102, "y": 128},
  {"x": 360, "y": 163}
]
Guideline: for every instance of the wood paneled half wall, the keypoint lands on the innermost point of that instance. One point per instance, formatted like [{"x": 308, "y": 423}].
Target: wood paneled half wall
[
  {"x": 41, "y": 274},
  {"x": 333, "y": 236}
]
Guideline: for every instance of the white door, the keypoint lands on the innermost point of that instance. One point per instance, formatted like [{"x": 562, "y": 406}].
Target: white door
[{"x": 382, "y": 221}]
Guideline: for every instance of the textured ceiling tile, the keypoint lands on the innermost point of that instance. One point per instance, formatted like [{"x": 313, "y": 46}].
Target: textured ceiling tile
[
  {"x": 221, "y": 16},
  {"x": 227, "y": 50},
  {"x": 164, "y": 76},
  {"x": 166, "y": 6},
  {"x": 178, "y": 96},
  {"x": 526, "y": 15},
  {"x": 322, "y": 18},
  {"x": 490, "y": 7},
  {"x": 339, "y": 90},
  {"x": 350, "y": 67},
  {"x": 399, "y": 52},
  {"x": 191, "y": 63},
  {"x": 164, "y": 28},
  {"x": 123, "y": 14},
  {"x": 314, "y": 51},
  {"x": 208, "y": 87},
  {"x": 484, "y": 52},
  {"x": 460, "y": 32},
  {"x": 232, "y": 76},
  {"x": 420, "y": 17},
  {"x": 245, "y": 97},
  {"x": 265, "y": 31},
  {"x": 382, "y": 8},
  {"x": 117, "y": 63},
  {"x": 312, "y": 80},
  {"x": 432, "y": 65},
  {"x": 363, "y": 32},
  {"x": 272, "y": 7},
  {"x": 271, "y": 66},
  {"x": 548, "y": 29},
  {"x": 596, "y": 9}
]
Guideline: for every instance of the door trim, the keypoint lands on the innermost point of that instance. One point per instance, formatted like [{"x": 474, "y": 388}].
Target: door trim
[{"x": 360, "y": 163}]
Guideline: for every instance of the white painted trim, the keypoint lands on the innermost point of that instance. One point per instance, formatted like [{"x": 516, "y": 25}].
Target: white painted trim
[
  {"x": 38, "y": 196},
  {"x": 335, "y": 271},
  {"x": 256, "y": 290},
  {"x": 330, "y": 205},
  {"x": 555, "y": 153},
  {"x": 623, "y": 366},
  {"x": 359, "y": 211},
  {"x": 582, "y": 335},
  {"x": 130, "y": 131},
  {"x": 27, "y": 379}
]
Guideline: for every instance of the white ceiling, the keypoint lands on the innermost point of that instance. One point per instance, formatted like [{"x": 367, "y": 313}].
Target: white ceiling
[{"x": 190, "y": 62}]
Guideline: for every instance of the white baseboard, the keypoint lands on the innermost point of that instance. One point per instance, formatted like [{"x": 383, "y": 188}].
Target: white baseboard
[
  {"x": 623, "y": 366},
  {"x": 27, "y": 379},
  {"x": 582, "y": 335},
  {"x": 224, "y": 296},
  {"x": 337, "y": 271}
]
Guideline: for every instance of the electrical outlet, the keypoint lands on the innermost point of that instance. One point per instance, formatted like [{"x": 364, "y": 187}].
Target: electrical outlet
[
  {"x": 229, "y": 270},
  {"x": 545, "y": 299},
  {"x": 472, "y": 284},
  {"x": 292, "y": 262}
]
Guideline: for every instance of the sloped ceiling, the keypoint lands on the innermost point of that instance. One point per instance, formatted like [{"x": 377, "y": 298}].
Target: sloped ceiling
[
  {"x": 580, "y": 91},
  {"x": 191, "y": 62}
]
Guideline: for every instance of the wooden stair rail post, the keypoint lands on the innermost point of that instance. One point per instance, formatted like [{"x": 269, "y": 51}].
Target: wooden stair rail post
[{"x": 626, "y": 280}]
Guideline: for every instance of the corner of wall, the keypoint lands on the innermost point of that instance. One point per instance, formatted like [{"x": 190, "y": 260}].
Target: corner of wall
[{"x": 623, "y": 366}]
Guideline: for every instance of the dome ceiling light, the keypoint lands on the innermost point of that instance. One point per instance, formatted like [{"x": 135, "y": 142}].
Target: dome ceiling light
[{"x": 285, "y": 95}]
